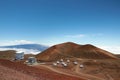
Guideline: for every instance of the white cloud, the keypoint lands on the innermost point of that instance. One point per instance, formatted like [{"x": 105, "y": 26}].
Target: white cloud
[
  {"x": 22, "y": 42},
  {"x": 75, "y": 36},
  {"x": 15, "y": 42},
  {"x": 26, "y": 51},
  {"x": 83, "y": 35},
  {"x": 112, "y": 49}
]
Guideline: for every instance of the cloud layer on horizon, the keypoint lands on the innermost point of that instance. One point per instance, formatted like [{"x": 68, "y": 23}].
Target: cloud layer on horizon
[
  {"x": 26, "y": 51},
  {"x": 75, "y": 36},
  {"x": 112, "y": 49}
]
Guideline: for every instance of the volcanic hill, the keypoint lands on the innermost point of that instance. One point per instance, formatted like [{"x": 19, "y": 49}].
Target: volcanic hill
[
  {"x": 73, "y": 50},
  {"x": 9, "y": 54}
]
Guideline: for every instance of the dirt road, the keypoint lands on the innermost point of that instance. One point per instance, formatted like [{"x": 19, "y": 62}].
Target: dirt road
[{"x": 79, "y": 74}]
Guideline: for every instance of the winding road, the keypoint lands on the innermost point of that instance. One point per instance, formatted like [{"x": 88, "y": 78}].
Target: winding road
[{"x": 77, "y": 73}]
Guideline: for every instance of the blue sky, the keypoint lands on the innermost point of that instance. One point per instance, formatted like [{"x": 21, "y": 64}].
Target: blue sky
[{"x": 51, "y": 22}]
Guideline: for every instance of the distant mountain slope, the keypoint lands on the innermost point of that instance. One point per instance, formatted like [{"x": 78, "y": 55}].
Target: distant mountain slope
[
  {"x": 28, "y": 46},
  {"x": 72, "y": 50}
]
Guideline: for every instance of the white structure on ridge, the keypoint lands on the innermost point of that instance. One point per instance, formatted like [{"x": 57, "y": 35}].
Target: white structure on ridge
[
  {"x": 64, "y": 64},
  {"x": 75, "y": 62},
  {"x": 19, "y": 55},
  {"x": 54, "y": 64},
  {"x": 57, "y": 62},
  {"x": 81, "y": 66},
  {"x": 31, "y": 60},
  {"x": 61, "y": 60},
  {"x": 68, "y": 61}
]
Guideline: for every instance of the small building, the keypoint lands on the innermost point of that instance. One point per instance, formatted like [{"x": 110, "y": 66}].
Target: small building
[
  {"x": 31, "y": 60},
  {"x": 19, "y": 56},
  {"x": 61, "y": 60},
  {"x": 65, "y": 65},
  {"x": 57, "y": 62},
  {"x": 54, "y": 64},
  {"x": 62, "y": 63},
  {"x": 81, "y": 66},
  {"x": 75, "y": 62},
  {"x": 68, "y": 61}
]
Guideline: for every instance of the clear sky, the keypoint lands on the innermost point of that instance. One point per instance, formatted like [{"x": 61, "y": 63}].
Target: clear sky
[{"x": 51, "y": 22}]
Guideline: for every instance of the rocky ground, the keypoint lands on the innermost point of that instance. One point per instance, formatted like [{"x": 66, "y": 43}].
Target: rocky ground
[
  {"x": 107, "y": 69},
  {"x": 16, "y": 71}
]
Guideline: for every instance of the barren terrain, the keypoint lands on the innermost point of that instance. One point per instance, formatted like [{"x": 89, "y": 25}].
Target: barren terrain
[
  {"x": 17, "y": 71},
  {"x": 52, "y": 64},
  {"x": 93, "y": 69}
]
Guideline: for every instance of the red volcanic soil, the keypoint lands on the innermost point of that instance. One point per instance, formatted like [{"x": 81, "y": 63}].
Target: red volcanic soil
[
  {"x": 17, "y": 71},
  {"x": 118, "y": 55},
  {"x": 107, "y": 69},
  {"x": 11, "y": 74},
  {"x": 72, "y": 50}
]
